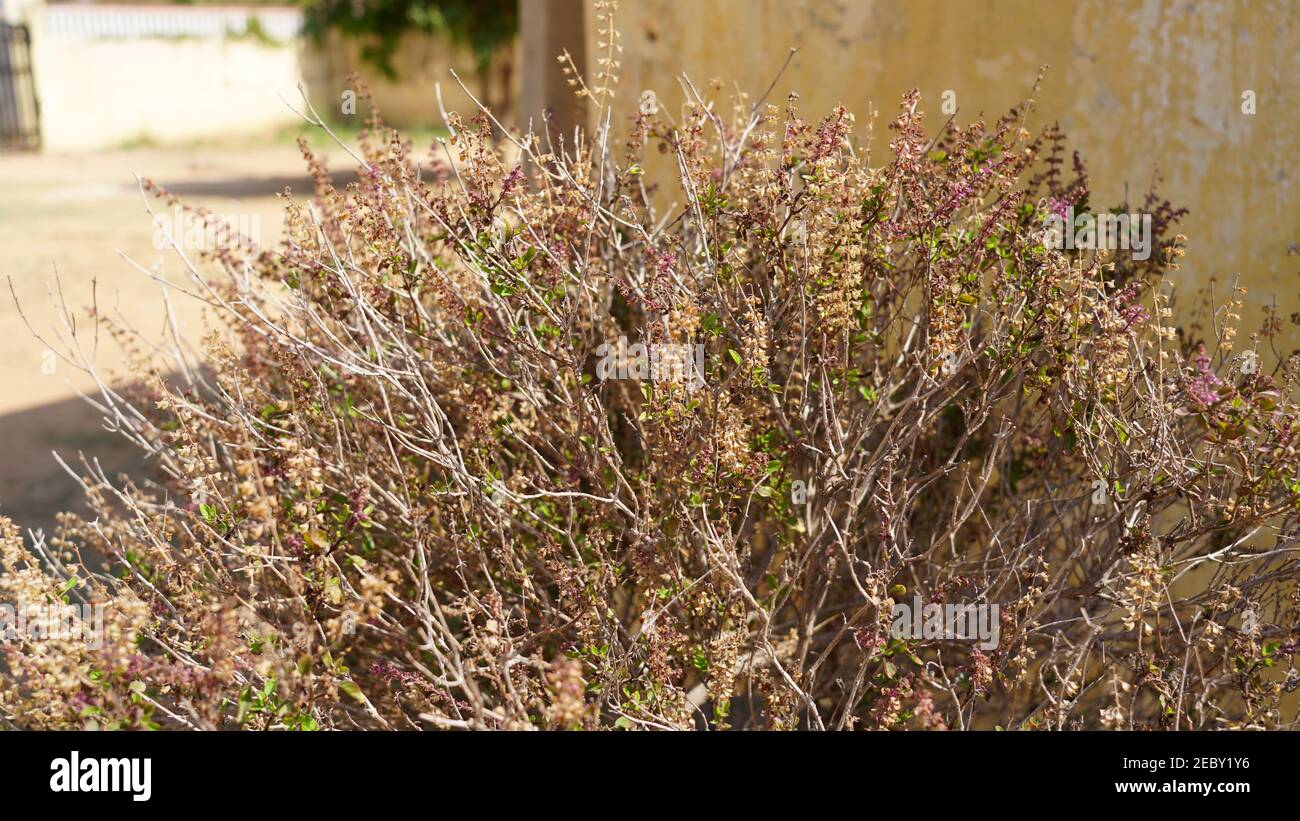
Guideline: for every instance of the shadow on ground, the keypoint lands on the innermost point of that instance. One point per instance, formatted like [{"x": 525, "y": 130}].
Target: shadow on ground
[
  {"x": 251, "y": 187},
  {"x": 33, "y": 486}
]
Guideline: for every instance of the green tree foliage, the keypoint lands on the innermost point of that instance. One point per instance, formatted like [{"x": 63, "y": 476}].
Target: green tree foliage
[{"x": 482, "y": 26}]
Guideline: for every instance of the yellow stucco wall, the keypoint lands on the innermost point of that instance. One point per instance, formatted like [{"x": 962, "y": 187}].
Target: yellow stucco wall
[
  {"x": 1134, "y": 84},
  {"x": 423, "y": 63}
]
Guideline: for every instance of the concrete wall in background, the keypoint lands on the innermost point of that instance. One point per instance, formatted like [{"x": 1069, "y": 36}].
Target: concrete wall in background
[
  {"x": 423, "y": 64},
  {"x": 113, "y": 75},
  {"x": 1137, "y": 84},
  {"x": 108, "y": 76},
  {"x": 107, "y": 94},
  {"x": 548, "y": 28}
]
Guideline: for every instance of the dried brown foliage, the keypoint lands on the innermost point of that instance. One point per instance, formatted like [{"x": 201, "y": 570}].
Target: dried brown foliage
[{"x": 393, "y": 491}]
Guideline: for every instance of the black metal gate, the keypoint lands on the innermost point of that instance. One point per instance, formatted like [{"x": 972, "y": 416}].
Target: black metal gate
[{"x": 19, "y": 110}]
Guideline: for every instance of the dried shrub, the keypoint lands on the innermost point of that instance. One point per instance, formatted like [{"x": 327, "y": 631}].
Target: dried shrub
[{"x": 395, "y": 492}]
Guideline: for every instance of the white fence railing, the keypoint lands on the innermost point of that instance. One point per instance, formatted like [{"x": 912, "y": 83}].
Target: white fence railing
[{"x": 77, "y": 22}]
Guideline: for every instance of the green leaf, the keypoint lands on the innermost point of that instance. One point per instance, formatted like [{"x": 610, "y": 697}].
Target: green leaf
[{"x": 350, "y": 687}]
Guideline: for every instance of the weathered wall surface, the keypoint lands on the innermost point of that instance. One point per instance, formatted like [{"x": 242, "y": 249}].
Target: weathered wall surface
[
  {"x": 1137, "y": 84},
  {"x": 423, "y": 64}
]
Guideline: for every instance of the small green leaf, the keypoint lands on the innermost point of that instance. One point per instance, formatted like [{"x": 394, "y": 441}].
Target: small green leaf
[{"x": 350, "y": 687}]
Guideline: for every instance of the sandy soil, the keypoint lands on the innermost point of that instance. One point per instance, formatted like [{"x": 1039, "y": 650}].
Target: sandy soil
[{"x": 66, "y": 221}]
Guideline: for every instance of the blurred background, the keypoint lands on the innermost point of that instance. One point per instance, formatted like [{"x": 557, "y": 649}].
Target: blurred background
[{"x": 1201, "y": 96}]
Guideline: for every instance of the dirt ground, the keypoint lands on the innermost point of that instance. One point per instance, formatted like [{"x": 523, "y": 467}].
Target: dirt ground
[{"x": 66, "y": 223}]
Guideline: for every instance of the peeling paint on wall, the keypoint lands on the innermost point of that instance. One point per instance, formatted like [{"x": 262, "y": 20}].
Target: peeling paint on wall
[{"x": 1140, "y": 86}]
